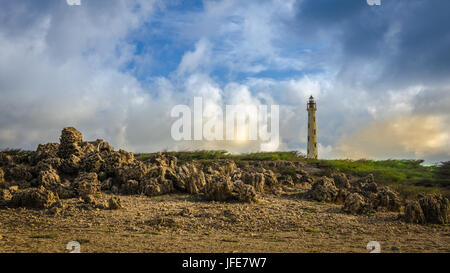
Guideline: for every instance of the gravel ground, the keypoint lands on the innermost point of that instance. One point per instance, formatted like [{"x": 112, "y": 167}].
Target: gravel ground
[{"x": 184, "y": 223}]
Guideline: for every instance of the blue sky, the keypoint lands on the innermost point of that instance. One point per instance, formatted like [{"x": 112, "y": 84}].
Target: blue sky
[{"x": 115, "y": 68}]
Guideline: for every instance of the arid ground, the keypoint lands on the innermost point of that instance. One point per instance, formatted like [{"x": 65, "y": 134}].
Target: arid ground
[{"x": 181, "y": 223}]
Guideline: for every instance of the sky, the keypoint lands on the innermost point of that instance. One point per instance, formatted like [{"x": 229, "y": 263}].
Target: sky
[{"x": 114, "y": 69}]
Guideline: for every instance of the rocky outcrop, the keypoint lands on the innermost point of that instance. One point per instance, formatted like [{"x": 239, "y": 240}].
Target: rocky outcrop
[
  {"x": 190, "y": 179},
  {"x": 218, "y": 188},
  {"x": 431, "y": 208},
  {"x": 114, "y": 203},
  {"x": 38, "y": 198},
  {"x": 355, "y": 204},
  {"x": 323, "y": 190},
  {"x": 86, "y": 184}
]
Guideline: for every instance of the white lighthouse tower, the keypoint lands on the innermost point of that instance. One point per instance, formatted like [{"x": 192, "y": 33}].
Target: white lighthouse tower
[{"x": 312, "y": 131}]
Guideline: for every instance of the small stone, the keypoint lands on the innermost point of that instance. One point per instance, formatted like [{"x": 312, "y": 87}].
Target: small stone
[{"x": 114, "y": 203}]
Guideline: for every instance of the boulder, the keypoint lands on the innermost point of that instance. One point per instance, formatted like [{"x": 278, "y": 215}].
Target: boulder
[
  {"x": 114, "y": 203},
  {"x": 432, "y": 208},
  {"x": 190, "y": 179},
  {"x": 156, "y": 186},
  {"x": 70, "y": 164},
  {"x": 87, "y": 184},
  {"x": 39, "y": 198},
  {"x": 244, "y": 192},
  {"x": 92, "y": 162},
  {"x": 45, "y": 151},
  {"x": 414, "y": 213},
  {"x": 354, "y": 204},
  {"x": 387, "y": 199},
  {"x": 69, "y": 142},
  {"x": 255, "y": 179},
  {"x": 219, "y": 189},
  {"x": 341, "y": 181},
  {"x": 323, "y": 190},
  {"x": 130, "y": 187},
  {"x": 2, "y": 177},
  {"x": 5, "y": 195}
]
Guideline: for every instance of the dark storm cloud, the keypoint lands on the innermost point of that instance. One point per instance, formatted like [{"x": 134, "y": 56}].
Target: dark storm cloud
[{"x": 407, "y": 41}]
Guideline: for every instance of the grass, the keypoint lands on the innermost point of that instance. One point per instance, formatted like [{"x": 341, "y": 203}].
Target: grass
[
  {"x": 309, "y": 210},
  {"x": 229, "y": 240},
  {"x": 151, "y": 232},
  {"x": 43, "y": 236},
  {"x": 82, "y": 241},
  {"x": 408, "y": 177},
  {"x": 220, "y": 154},
  {"x": 315, "y": 230}
]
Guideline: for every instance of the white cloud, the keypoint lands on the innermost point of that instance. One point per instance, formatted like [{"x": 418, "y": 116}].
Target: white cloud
[{"x": 62, "y": 66}]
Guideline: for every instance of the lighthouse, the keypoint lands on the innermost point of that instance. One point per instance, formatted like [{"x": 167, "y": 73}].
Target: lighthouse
[{"x": 312, "y": 131}]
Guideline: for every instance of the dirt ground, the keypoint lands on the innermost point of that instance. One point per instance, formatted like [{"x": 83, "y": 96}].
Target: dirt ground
[{"x": 183, "y": 223}]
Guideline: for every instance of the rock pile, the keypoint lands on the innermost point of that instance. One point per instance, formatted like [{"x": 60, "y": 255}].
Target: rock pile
[
  {"x": 431, "y": 208},
  {"x": 360, "y": 196},
  {"x": 75, "y": 168},
  {"x": 80, "y": 169}
]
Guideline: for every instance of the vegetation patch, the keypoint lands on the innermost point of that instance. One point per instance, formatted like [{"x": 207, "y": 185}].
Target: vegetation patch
[
  {"x": 43, "y": 236},
  {"x": 229, "y": 240}
]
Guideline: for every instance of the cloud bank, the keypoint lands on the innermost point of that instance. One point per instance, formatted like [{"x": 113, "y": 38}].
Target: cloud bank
[{"x": 114, "y": 69}]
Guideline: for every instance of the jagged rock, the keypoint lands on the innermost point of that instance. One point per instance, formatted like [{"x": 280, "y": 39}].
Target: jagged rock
[
  {"x": 114, "y": 203},
  {"x": 69, "y": 142},
  {"x": 156, "y": 186},
  {"x": 102, "y": 146},
  {"x": 244, "y": 192},
  {"x": 163, "y": 160},
  {"x": 51, "y": 180},
  {"x": 14, "y": 189},
  {"x": 71, "y": 164},
  {"x": 57, "y": 208},
  {"x": 432, "y": 208},
  {"x": 86, "y": 184},
  {"x": 5, "y": 160},
  {"x": 48, "y": 164},
  {"x": 137, "y": 171},
  {"x": 341, "y": 196},
  {"x": 130, "y": 187},
  {"x": 20, "y": 172},
  {"x": 367, "y": 182},
  {"x": 114, "y": 160},
  {"x": 388, "y": 199},
  {"x": 106, "y": 184},
  {"x": 286, "y": 180},
  {"x": 222, "y": 167},
  {"x": 341, "y": 181},
  {"x": 5, "y": 195},
  {"x": 39, "y": 198},
  {"x": 219, "y": 189},
  {"x": 270, "y": 179},
  {"x": 414, "y": 213},
  {"x": 354, "y": 204},
  {"x": 191, "y": 179},
  {"x": 45, "y": 151},
  {"x": 306, "y": 179},
  {"x": 255, "y": 179},
  {"x": 236, "y": 175},
  {"x": 2, "y": 177},
  {"x": 370, "y": 187},
  {"x": 92, "y": 162},
  {"x": 323, "y": 190},
  {"x": 70, "y": 135}
]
